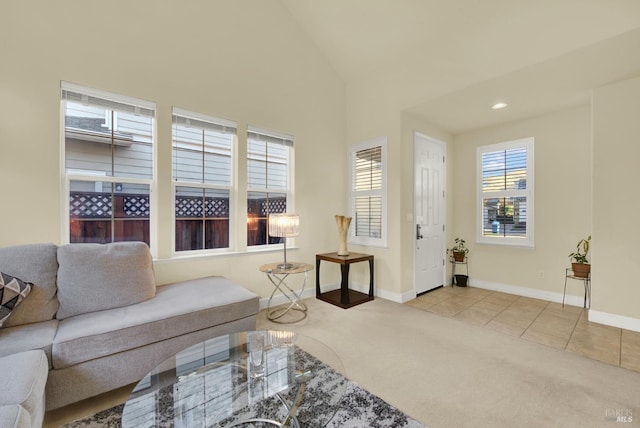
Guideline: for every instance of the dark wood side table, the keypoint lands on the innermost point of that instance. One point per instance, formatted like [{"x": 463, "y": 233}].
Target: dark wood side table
[{"x": 344, "y": 297}]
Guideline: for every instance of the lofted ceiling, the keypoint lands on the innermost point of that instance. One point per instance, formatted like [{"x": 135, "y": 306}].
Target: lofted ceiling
[{"x": 448, "y": 61}]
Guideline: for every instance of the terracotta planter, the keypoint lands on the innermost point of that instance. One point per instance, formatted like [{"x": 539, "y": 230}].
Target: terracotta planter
[
  {"x": 458, "y": 257},
  {"x": 581, "y": 270}
]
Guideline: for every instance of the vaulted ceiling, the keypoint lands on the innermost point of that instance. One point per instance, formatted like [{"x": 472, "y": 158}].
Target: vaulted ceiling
[{"x": 450, "y": 60}]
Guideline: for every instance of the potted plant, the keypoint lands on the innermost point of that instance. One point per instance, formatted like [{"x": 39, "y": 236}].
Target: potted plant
[
  {"x": 459, "y": 250},
  {"x": 580, "y": 265}
]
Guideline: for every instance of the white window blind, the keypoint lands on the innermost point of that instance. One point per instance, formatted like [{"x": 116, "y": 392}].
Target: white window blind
[
  {"x": 94, "y": 97},
  {"x": 505, "y": 193},
  {"x": 368, "y": 192}
]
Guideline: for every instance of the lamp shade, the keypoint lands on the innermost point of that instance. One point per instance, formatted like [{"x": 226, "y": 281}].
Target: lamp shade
[{"x": 283, "y": 225}]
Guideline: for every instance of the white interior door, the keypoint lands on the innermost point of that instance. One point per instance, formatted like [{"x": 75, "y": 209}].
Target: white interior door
[{"x": 429, "y": 163}]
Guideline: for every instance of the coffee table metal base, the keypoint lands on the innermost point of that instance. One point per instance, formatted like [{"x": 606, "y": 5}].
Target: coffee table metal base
[
  {"x": 292, "y": 409},
  {"x": 214, "y": 384}
]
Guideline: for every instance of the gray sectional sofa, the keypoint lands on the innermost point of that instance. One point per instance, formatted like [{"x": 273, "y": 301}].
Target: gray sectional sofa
[
  {"x": 22, "y": 394},
  {"x": 96, "y": 313}
]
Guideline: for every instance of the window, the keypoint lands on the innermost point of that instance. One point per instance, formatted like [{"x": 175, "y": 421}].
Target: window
[
  {"x": 268, "y": 181},
  {"x": 368, "y": 193},
  {"x": 108, "y": 156},
  {"x": 203, "y": 150},
  {"x": 505, "y": 193}
]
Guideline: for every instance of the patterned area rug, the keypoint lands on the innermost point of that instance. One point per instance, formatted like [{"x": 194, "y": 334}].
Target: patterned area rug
[
  {"x": 357, "y": 408},
  {"x": 360, "y": 409}
]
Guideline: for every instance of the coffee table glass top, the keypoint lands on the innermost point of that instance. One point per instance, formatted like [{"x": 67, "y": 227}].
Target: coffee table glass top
[{"x": 251, "y": 379}]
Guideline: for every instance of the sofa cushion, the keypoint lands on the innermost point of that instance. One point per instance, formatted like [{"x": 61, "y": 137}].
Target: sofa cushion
[
  {"x": 95, "y": 277},
  {"x": 24, "y": 376},
  {"x": 176, "y": 309},
  {"x": 27, "y": 337},
  {"x": 12, "y": 291},
  {"x": 37, "y": 264},
  {"x": 14, "y": 416}
]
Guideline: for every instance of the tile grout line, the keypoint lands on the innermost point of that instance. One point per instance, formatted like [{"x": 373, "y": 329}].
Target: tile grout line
[
  {"x": 620, "y": 354},
  {"x": 483, "y": 298},
  {"x": 503, "y": 309},
  {"x": 530, "y": 323},
  {"x": 573, "y": 330},
  {"x": 534, "y": 320},
  {"x": 491, "y": 319}
]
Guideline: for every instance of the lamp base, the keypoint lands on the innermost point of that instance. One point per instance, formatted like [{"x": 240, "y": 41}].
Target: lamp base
[{"x": 286, "y": 266}]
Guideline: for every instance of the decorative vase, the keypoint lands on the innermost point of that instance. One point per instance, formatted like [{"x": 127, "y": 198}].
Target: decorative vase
[{"x": 343, "y": 223}]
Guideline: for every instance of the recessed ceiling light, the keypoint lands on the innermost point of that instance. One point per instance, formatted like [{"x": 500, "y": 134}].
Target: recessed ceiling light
[{"x": 498, "y": 106}]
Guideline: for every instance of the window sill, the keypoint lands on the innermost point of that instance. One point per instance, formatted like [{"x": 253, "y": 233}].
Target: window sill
[
  {"x": 510, "y": 244},
  {"x": 192, "y": 256}
]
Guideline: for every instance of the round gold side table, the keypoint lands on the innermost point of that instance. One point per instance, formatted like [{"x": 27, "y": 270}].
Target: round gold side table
[{"x": 278, "y": 276}]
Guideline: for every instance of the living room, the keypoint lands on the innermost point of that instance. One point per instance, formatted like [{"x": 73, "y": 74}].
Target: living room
[{"x": 574, "y": 88}]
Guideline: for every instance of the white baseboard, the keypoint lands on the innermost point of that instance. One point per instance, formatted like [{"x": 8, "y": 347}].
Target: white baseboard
[
  {"x": 551, "y": 296},
  {"x": 615, "y": 320},
  {"x": 605, "y": 318},
  {"x": 279, "y": 299},
  {"x": 383, "y": 294},
  {"x": 406, "y": 296}
]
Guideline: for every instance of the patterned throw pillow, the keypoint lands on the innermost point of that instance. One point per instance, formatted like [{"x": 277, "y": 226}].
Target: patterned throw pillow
[{"x": 12, "y": 291}]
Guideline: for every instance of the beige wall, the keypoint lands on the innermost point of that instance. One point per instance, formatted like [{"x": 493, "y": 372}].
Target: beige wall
[
  {"x": 616, "y": 148},
  {"x": 373, "y": 110},
  {"x": 241, "y": 60},
  {"x": 562, "y": 201},
  {"x": 371, "y": 114}
]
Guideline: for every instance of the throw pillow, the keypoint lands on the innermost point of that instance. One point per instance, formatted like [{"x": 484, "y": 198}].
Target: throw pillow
[
  {"x": 96, "y": 277},
  {"x": 12, "y": 291}
]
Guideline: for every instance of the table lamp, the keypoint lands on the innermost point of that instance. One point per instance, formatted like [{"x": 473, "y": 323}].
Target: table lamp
[{"x": 284, "y": 226}]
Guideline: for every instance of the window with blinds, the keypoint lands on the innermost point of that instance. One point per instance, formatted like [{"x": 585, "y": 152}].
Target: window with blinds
[
  {"x": 368, "y": 192},
  {"x": 203, "y": 148},
  {"x": 505, "y": 193},
  {"x": 108, "y": 146},
  {"x": 268, "y": 181}
]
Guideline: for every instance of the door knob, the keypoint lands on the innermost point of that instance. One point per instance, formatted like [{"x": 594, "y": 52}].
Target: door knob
[{"x": 418, "y": 232}]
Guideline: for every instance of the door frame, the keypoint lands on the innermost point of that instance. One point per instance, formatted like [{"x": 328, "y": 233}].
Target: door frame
[{"x": 444, "y": 146}]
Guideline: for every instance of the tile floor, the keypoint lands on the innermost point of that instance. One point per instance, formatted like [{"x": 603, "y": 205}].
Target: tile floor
[{"x": 536, "y": 320}]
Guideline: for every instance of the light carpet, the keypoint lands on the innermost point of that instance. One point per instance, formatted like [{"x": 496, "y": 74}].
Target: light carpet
[{"x": 446, "y": 373}]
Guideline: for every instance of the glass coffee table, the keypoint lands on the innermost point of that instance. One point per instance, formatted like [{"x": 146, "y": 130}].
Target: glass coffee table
[{"x": 250, "y": 379}]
